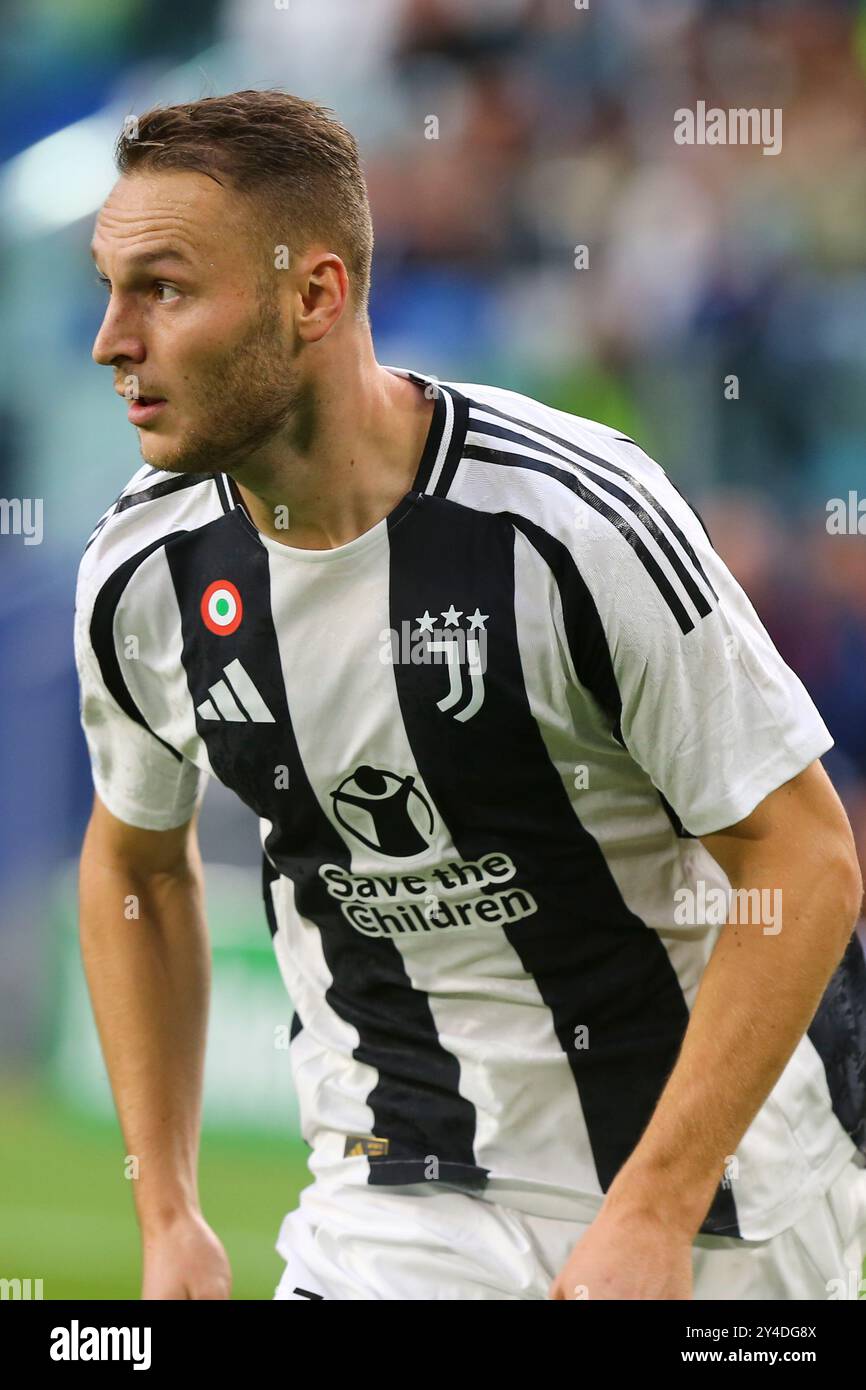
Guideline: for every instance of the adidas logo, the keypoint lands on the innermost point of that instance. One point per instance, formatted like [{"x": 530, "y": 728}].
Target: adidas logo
[{"x": 235, "y": 698}]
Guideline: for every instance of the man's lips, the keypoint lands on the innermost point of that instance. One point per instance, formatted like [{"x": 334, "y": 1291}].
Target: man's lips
[{"x": 144, "y": 408}]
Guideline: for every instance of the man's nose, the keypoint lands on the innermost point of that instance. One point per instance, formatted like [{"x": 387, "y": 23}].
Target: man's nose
[{"x": 116, "y": 340}]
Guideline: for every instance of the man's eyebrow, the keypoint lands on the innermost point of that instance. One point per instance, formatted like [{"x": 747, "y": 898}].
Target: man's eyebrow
[{"x": 161, "y": 253}]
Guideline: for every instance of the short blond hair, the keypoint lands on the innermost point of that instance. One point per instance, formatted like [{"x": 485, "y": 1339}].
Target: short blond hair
[{"x": 289, "y": 155}]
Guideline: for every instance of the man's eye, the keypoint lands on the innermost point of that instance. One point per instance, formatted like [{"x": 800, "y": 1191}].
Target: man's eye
[
  {"x": 171, "y": 290},
  {"x": 103, "y": 280}
]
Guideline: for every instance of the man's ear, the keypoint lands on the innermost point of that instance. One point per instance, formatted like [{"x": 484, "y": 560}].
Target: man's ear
[{"x": 323, "y": 293}]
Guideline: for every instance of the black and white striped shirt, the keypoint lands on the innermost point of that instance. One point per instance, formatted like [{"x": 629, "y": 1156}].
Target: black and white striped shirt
[{"x": 481, "y": 739}]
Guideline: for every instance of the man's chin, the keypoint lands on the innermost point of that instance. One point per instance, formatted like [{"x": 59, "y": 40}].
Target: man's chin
[{"x": 170, "y": 458}]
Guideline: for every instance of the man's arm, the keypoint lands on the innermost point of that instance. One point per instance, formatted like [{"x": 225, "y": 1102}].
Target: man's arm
[
  {"x": 146, "y": 956},
  {"x": 756, "y": 999}
]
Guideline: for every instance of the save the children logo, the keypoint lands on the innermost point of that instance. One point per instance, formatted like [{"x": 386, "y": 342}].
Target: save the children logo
[
  {"x": 455, "y": 895},
  {"x": 385, "y": 811},
  {"x": 389, "y": 813}
]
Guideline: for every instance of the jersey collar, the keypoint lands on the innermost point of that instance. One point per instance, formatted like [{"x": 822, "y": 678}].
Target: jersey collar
[{"x": 442, "y": 450}]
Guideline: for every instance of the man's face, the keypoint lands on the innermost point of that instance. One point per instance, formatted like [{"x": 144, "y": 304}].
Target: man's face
[{"x": 190, "y": 323}]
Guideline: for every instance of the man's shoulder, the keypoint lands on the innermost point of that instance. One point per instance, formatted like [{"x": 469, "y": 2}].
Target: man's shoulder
[
  {"x": 586, "y": 496},
  {"x": 153, "y": 506},
  {"x": 530, "y": 413},
  {"x": 572, "y": 476}
]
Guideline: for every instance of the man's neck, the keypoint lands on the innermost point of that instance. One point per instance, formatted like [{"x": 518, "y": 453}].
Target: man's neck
[{"x": 366, "y": 438}]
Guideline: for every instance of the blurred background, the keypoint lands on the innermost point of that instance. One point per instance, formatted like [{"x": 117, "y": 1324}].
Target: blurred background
[{"x": 537, "y": 227}]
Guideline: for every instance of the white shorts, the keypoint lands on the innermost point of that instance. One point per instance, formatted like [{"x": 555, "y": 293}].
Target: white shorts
[{"x": 428, "y": 1243}]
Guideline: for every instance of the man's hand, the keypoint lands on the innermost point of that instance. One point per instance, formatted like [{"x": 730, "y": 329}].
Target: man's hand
[
  {"x": 185, "y": 1259},
  {"x": 630, "y": 1256}
]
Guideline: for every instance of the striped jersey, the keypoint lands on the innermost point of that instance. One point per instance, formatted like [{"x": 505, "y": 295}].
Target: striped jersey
[{"x": 481, "y": 740}]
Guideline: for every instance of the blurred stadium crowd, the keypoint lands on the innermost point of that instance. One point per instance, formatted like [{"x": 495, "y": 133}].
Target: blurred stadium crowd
[{"x": 717, "y": 317}]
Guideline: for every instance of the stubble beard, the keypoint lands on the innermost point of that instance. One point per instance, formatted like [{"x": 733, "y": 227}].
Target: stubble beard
[{"x": 256, "y": 392}]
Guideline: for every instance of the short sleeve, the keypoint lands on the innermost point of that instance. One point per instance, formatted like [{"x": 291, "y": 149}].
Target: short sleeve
[
  {"x": 708, "y": 708},
  {"x": 139, "y": 778}
]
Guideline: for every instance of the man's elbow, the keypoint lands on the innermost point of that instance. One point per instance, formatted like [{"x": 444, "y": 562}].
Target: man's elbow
[
  {"x": 845, "y": 879},
  {"x": 833, "y": 868}
]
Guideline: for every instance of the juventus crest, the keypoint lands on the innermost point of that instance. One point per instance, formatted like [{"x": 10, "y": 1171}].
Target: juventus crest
[{"x": 463, "y": 651}]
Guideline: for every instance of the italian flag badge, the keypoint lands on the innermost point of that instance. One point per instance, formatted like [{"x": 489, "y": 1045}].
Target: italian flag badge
[{"x": 222, "y": 607}]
